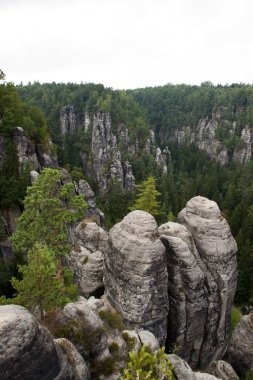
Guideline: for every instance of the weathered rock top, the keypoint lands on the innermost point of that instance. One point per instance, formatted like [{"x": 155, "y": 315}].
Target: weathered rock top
[
  {"x": 139, "y": 223},
  {"x": 203, "y": 207}
]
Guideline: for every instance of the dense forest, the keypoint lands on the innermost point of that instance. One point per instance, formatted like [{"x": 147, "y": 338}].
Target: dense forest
[{"x": 190, "y": 171}]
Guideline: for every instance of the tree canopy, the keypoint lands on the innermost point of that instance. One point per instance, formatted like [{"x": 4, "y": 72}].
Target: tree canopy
[{"x": 147, "y": 198}]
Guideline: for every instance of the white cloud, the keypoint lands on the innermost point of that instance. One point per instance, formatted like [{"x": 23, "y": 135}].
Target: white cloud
[{"x": 126, "y": 44}]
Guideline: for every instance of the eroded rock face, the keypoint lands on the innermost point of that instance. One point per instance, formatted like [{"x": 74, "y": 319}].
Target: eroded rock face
[
  {"x": 223, "y": 370},
  {"x": 240, "y": 349},
  {"x": 84, "y": 188},
  {"x": 105, "y": 153},
  {"x": 206, "y": 136},
  {"x": 188, "y": 301},
  {"x": 86, "y": 259},
  {"x": 25, "y": 150},
  {"x": 214, "y": 251},
  {"x": 28, "y": 351},
  {"x": 183, "y": 371},
  {"x": 192, "y": 279},
  {"x": 67, "y": 120},
  {"x": 135, "y": 273}
]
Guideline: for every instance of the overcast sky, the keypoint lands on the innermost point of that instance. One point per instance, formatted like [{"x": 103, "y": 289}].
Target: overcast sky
[{"x": 127, "y": 43}]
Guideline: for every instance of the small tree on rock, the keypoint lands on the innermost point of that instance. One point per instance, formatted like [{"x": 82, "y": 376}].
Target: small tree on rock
[
  {"x": 41, "y": 289},
  {"x": 49, "y": 208},
  {"x": 147, "y": 198}
]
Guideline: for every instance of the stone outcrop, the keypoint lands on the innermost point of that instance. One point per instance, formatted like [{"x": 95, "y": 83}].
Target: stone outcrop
[
  {"x": 86, "y": 258},
  {"x": 25, "y": 150},
  {"x": 27, "y": 351},
  {"x": 135, "y": 273},
  {"x": 92, "y": 212},
  {"x": 106, "y": 162},
  {"x": 189, "y": 281},
  {"x": 182, "y": 370},
  {"x": 206, "y": 136},
  {"x": 240, "y": 349},
  {"x": 213, "y": 253},
  {"x": 67, "y": 120},
  {"x": 222, "y": 369}
]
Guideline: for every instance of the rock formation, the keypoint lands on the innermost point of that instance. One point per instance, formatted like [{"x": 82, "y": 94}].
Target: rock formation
[
  {"x": 240, "y": 349},
  {"x": 107, "y": 156},
  {"x": 135, "y": 273},
  {"x": 222, "y": 369},
  {"x": 92, "y": 212},
  {"x": 182, "y": 370},
  {"x": 206, "y": 136},
  {"x": 189, "y": 281},
  {"x": 86, "y": 259},
  {"x": 67, "y": 120},
  {"x": 25, "y": 150},
  {"x": 216, "y": 259},
  {"x": 29, "y": 352}
]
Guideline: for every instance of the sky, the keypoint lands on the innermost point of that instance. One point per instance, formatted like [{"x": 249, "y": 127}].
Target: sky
[{"x": 127, "y": 43}]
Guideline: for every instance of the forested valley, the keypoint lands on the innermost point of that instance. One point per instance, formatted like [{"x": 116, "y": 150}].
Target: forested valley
[{"x": 190, "y": 171}]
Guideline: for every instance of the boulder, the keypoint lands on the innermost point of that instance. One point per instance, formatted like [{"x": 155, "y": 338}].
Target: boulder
[
  {"x": 182, "y": 370},
  {"x": 240, "y": 349},
  {"x": 135, "y": 274},
  {"x": 27, "y": 351},
  {"x": 222, "y": 369}
]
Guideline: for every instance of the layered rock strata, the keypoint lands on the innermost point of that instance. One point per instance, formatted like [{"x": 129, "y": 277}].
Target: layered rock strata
[
  {"x": 135, "y": 273},
  {"x": 206, "y": 136},
  {"x": 190, "y": 277},
  {"x": 240, "y": 348},
  {"x": 27, "y": 350},
  {"x": 86, "y": 258},
  {"x": 215, "y": 256}
]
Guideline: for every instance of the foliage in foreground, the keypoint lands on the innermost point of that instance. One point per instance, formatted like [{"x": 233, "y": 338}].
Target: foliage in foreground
[
  {"x": 41, "y": 289},
  {"x": 146, "y": 366}
]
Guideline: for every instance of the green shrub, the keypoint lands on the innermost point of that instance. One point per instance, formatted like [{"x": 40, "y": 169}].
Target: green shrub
[
  {"x": 235, "y": 318},
  {"x": 130, "y": 341},
  {"x": 114, "y": 320},
  {"x": 104, "y": 367},
  {"x": 113, "y": 347},
  {"x": 146, "y": 366}
]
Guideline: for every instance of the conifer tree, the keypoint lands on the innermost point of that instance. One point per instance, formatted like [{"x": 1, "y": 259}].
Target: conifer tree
[
  {"x": 40, "y": 287},
  {"x": 147, "y": 198}
]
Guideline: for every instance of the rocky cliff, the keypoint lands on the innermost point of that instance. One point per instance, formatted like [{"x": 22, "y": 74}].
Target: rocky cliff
[
  {"x": 219, "y": 138},
  {"x": 177, "y": 281},
  {"x": 103, "y": 157},
  {"x": 31, "y": 157}
]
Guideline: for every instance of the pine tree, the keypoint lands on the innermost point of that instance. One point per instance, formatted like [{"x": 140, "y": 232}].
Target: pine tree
[
  {"x": 147, "y": 198},
  {"x": 50, "y": 208},
  {"x": 41, "y": 289}
]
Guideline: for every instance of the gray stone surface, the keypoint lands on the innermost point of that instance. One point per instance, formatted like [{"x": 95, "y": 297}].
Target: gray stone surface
[
  {"x": 25, "y": 150},
  {"x": 222, "y": 369},
  {"x": 135, "y": 273},
  {"x": 205, "y": 136},
  {"x": 182, "y": 370},
  {"x": 67, "y": 120},
  {"x": 81, "y": 371},
  {"x": 84, "y": 188},
  {"x": 216, "y": 258},
  {"x": 188, "y": 300},
  {"x": 27, "y": 351},
  {"x": 240, "y": 349},
  {"x": 86, "y": 259}
]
